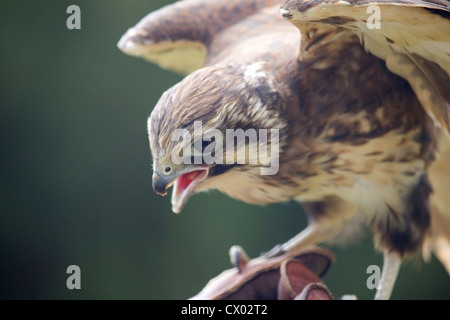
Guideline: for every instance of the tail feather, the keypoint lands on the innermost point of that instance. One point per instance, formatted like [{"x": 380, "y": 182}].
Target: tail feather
[
  {"x": 442, "y": 252},
  {"x": 438, "y": 241}
]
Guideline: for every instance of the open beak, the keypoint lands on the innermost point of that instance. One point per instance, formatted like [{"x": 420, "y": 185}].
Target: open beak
[{"x": 183, "y": 186}]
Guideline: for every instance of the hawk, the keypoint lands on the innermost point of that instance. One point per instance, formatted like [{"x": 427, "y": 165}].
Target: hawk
[{"x": 362, "y": 113}]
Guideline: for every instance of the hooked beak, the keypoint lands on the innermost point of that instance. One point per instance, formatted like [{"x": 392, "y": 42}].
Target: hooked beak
[{"x": 184, "y": 184}]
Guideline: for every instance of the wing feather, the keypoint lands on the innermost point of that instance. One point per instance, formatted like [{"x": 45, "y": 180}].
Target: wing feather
[
  {"x": 176, "y": 37},
  {"x": 413, "y": 39}
]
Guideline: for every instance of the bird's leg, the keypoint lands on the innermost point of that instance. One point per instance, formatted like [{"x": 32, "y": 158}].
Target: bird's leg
[
  {"x": 311, "y": 235},
  {"x": 391, "y": 265},
  {"x": 327, "y": 219}
]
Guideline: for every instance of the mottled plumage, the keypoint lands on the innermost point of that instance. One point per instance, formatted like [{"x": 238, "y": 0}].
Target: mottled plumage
[{"x": 359, "y": 145}]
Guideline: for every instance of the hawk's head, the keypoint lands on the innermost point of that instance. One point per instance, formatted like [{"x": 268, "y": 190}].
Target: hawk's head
[{"x": 217, "y": 120}]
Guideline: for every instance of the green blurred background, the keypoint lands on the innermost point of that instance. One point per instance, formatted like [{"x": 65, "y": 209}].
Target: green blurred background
[{"x": 76, "y": 174}]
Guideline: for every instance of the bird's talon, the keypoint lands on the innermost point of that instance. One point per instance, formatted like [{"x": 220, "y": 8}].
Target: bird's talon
[
  {"x": 238, "y": 257},
  {"x": 274, "y": 252}
]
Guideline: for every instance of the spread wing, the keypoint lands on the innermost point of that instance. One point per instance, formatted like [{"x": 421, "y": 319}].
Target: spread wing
[
  {"x": 412, "y": 36},
  {"x": 177, "y": 37}
]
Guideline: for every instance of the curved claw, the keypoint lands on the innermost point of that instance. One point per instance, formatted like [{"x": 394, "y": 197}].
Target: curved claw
[{"x": 238, "y": 257}]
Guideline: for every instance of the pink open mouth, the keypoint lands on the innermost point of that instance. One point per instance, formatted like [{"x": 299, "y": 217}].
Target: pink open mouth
[{"x": 184, "y": 187}]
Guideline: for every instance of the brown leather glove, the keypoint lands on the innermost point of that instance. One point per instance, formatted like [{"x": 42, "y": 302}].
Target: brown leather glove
[{"x": 293, "y": 275}]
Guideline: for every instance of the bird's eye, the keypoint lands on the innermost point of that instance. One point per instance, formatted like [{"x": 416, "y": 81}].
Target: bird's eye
[{"x": 167, "y": 169}]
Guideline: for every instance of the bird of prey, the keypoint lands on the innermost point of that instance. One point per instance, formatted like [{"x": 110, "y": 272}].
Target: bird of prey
[{"x": 360, "y": 98}]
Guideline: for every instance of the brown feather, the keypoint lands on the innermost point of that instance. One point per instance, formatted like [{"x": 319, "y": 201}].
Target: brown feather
[{"x": 357, "y": 146}]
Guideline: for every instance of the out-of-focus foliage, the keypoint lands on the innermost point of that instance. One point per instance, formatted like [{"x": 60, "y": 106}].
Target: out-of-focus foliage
[{"x": 76, "y": 174}]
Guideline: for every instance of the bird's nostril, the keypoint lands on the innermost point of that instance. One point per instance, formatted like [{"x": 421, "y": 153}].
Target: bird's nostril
[{"x": 155, "y": 178}]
